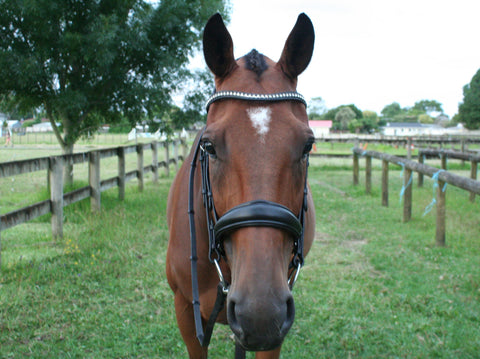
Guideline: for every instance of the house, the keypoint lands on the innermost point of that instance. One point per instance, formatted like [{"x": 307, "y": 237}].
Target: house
[
  {"x": 418, "y": 129},
  {"x": 320, "y": 128}
]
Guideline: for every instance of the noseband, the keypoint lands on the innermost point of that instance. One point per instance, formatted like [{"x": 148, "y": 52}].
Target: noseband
[{"x": 257, "y": 213}]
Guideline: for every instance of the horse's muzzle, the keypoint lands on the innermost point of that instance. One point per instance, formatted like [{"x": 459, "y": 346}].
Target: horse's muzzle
[{"x": 260, "y": 324}]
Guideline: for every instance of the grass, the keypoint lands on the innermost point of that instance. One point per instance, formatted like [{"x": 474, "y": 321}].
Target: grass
[{"x": 373, "y": 287}]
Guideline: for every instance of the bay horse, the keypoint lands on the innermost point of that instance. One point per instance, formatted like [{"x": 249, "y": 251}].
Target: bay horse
[{"x": 242, "y": 221}]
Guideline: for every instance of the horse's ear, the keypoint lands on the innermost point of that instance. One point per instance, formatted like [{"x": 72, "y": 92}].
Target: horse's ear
[
  {"x": 298, "y": 49},
  {"x": 218, "y": 47}
]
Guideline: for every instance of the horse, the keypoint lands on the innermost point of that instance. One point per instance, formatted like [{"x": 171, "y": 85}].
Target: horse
[{"x": 240, "y": 212}]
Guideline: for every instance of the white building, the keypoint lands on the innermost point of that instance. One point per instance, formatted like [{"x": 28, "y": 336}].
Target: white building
[
  {"x": 320, "y": 128},
  {"x": 418, "y": 129}
]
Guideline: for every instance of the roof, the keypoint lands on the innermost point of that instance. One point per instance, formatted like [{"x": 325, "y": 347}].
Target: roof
[
  {"x": 325, "y": 124},
  {"x": 404, "y": 124}
]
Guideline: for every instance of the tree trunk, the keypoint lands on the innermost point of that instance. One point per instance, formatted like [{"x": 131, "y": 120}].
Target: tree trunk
[
  {"x": 68, "y": 165},
  {"x": 65, "y": 143}
]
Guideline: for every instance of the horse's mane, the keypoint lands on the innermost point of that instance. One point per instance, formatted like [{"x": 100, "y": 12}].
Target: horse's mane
[{"x": 255, "y": 62}]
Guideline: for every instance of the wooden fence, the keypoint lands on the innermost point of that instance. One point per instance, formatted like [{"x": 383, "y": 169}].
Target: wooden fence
[
  {"x": 444, "y": 155},
  {"x": 440, "y": 175},
  {"x": 417, "y": 141},
  {"x": 55, "y": 168}
]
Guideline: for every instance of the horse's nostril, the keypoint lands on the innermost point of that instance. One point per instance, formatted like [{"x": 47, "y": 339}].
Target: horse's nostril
[
  {"x": 290, "y": 316},
  {"x": 233, "y": 321}
]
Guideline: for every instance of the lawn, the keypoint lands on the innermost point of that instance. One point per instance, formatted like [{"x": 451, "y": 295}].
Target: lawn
[{"x": 372, "y": 287}]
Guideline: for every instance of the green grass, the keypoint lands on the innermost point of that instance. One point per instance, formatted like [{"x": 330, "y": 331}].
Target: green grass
[{"x": 372, "y": 287}]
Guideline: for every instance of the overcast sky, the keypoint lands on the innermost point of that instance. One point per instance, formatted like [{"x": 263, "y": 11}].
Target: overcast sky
[{"x": 374, "y": 52}]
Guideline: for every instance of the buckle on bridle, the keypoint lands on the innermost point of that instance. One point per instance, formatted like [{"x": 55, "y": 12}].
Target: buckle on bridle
[{"x": 223, "y": 282}]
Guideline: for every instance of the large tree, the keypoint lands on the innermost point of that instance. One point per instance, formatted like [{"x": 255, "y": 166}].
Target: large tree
[
  {"x": 427, "y": 107},
  {"x": 93, "y": 61},
  {"x": 392, "y": 110},
  {"x": 469, "y": 110}
]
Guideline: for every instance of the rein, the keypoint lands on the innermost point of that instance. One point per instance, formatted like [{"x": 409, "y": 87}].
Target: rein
[{"x": 258, "y": 213}]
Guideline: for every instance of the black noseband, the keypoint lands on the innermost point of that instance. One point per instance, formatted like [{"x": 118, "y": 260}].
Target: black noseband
[{"x": 259, "y": 213}]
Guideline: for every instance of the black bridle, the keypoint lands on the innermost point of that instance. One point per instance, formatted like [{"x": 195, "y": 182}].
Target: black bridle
[{"x": 258, "y": 213}]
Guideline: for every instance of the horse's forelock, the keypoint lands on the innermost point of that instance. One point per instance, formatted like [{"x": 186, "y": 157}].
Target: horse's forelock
[{"x": 255, "y": 62}]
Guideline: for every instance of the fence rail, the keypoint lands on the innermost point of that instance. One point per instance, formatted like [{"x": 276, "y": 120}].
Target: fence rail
[
  {"x": 440, "y": 175},
  {"x": 417, "y": 141},
  {"x": 55, "y": 168},
  {"x": 474, "y": 158}
]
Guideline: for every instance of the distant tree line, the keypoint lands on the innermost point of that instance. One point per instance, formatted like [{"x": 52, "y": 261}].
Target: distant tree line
[{"x": 348, "y": 118}]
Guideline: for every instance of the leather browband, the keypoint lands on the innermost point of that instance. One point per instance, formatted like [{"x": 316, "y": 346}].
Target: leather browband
[{"x": 271, "y": 97}]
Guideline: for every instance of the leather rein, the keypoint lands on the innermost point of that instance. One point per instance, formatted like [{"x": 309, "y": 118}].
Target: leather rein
[{"x": 258, "y": 213}]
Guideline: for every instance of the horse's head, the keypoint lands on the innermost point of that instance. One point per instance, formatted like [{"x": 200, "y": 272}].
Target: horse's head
[{"x": 258, "y": 151}]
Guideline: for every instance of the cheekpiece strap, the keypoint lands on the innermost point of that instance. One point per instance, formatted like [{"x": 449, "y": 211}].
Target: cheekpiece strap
[{"x": 270, "y": 97}]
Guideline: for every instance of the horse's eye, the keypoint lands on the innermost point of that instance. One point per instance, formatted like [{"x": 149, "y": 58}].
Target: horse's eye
[
  {"x": 208, "y": 147},
  {"x": 308, "y": 147}
]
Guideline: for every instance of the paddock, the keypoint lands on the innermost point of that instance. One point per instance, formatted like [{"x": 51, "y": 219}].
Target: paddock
[{"x": 373, "y": 286}]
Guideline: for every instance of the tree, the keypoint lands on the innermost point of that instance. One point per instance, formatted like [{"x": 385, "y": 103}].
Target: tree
[
  {"x": 344, "y": 116},
  {"x": 316, "y": 108},
  {"x": 427, "y": 106},
  {"x": 370, "y": 115},
  {"x": 469, "y": 110},
  {"x": 425, "y": 118},
  {"x": 392, "y": 110},
  {"x": 369, "y": 122},
  {"x": 96, "y": 61}
]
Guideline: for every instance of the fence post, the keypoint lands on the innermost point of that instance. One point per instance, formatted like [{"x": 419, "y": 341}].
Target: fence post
[
  {"x": 94, "y": 181},
  {"x": 184, "y": 149},
  {"x": 443, "y": 157},
  {"x": 473, "y": 175},
  {"x": 175, "y": 154},
  {"x": 121, "y": 173},
  {"x": 368, "y": 174},
  {"x": 421, "y": 160},
  {"x": 440, "y": 231},
  {"x": 355, "y": 168},
  {"x": 385, "y": 183},
  {"x": 409, "y": 148},
  {"x": 140, "y": 167},
  {"x": 407, "y": 195},
  {"x": 56, "y": 195},
  {"x": 155, "y": 161},
  {"x": 167, "y": 158}
]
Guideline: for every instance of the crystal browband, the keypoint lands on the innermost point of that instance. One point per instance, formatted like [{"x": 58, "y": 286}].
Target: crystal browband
[{"x": 271, "y": 97}]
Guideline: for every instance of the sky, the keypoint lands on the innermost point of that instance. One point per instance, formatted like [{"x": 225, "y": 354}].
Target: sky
[{"x": 371, "y": 52}]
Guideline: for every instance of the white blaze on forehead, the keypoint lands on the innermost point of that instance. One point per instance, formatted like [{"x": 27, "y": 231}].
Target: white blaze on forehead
[{"x": 260, "y": 117}]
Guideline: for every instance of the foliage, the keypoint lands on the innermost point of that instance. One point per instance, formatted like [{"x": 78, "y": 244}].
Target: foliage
[
  {"x": 469, "y": 110},
  {"x": 420, "y": 112},
  {"x": 426, "y": 119},
  {"x": 9, "y": 107},
  {"x": 392, "y": 110},
  {"x": 97, "y": 61},
  {"x": 347, "y": 114},
  {"x": 316, "y": 108},
  {"x": 428, "y": 106},
  {"x": 371, "y": 115},
  {"x": 344, "y": 117}
]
